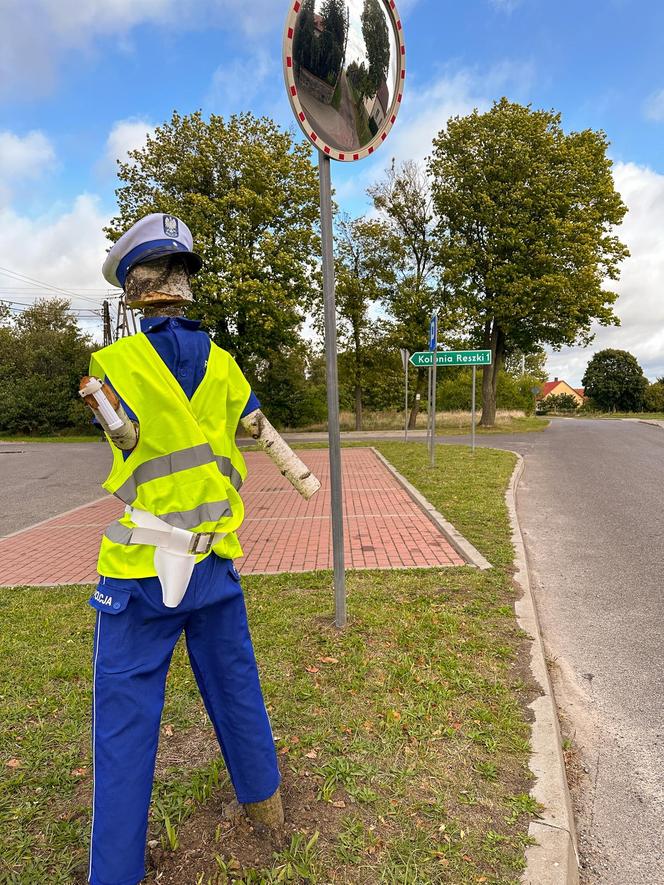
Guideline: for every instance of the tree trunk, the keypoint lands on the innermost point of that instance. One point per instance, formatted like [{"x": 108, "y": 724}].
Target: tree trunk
[
  {"x": 494, "y": 340},
  {"x": 412, "y": 421},
  {"x": 488, "y": 398},
  {"x": 358, "y": 374},
  {"x": 358, "y": 407}
]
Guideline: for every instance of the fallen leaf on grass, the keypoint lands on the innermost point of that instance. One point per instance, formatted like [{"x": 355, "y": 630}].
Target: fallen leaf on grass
[
  {"x": 328, "y": 660},
  {"x": 312, "y": 669},
  {"x": 339, "y": 804},
  {"x": 168, "y": 730},
  {"x": 79, "y": 772},
  {"x": 312, "y": 754},
  {"x": 13, "y": 763}
]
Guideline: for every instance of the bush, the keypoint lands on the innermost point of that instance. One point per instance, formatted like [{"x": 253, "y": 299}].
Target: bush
[
  {"x": 43, "y": 355},
  {"x": 653, "y": 399},
  {"x": 559, "y": 402}
]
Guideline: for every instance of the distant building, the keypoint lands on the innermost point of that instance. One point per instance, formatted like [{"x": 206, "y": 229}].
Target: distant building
[
  {"x": 377, "y": 106},
  {"x": 558, "y": 387}
]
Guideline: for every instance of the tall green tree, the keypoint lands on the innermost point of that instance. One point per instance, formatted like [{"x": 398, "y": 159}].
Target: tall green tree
[
  {"x": 305, "y": 43},
  {"x": 614, "y": 380},
  {"x": 292, "y": 387},
  {"x": 333, "y": 39},
  {"x": 404, "y": 203},
  {"x": 526, "y": 230},
  {"x": 250, "y": 195},
  {"x": 364, "y": 276},
  {"x": 43, "y": 355},
  {"x": 377, "y": 42}
]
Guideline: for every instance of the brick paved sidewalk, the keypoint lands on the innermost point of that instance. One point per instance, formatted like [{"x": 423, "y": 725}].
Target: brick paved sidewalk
[{"x": 384, "y": 528}]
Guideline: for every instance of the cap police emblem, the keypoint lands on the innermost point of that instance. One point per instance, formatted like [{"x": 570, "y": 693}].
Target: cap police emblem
[{"x": 171, "y": 227}]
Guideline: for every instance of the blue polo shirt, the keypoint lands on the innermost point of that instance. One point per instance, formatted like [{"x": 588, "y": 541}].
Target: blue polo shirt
[{"x": 185, "y": 351}]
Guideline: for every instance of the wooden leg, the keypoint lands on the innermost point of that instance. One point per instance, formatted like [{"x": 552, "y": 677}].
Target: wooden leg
[{"x": 269, "y": 813}]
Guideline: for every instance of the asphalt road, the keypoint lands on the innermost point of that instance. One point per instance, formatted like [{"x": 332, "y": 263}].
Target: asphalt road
[
  {"x": 590, "y": 506},
  {"x": 591, "y": 509},
  {"x": 39, "y": 480}
]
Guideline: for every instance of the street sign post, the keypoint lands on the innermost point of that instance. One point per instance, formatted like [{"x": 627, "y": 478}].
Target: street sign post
[
  {"x": 405, "y": 358},
  {"x": 449, "y": 358},
  {"x": 433, "y": 346},
  {"x": 350, "y": 131},
  {"x": 472, "y": 412},
  {"x": 433, "y": 333}
]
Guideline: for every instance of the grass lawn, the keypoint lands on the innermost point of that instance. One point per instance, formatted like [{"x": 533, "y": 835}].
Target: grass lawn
[
  {"x": 403, "y": 739},
  {"x": 447, "y": 423},
  {"x": 618, "y": 416}
]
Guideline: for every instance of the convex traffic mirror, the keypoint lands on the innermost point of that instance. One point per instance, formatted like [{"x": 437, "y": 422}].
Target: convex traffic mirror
[{"x": 344, "y": 63}]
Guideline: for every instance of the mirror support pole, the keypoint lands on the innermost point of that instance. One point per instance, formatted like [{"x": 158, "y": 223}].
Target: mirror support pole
[{"x": 332, "y": 388}]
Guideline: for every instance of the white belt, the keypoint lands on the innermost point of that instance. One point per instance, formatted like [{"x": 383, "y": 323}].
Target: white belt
[
  {"x": 175, "y": 551},
  {"x": 154, "y": 531}
]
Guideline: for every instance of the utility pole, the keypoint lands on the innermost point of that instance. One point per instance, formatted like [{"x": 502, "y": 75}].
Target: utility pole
[
  {"x": 126, "y": 321},
  {"x": 108, "y": 332}
]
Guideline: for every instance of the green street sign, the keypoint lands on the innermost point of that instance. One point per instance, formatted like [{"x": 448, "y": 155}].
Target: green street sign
[{"x": 452, "y": 358}]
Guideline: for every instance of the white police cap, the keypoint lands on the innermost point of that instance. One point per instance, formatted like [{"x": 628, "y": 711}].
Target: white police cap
[{"x": 152, "y": 237}]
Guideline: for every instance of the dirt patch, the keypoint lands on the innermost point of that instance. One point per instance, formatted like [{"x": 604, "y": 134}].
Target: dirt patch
[{"x": 220, "y": 828}]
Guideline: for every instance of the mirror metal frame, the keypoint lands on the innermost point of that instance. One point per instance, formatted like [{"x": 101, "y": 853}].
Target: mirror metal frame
[{"x": 298, "y": 110}]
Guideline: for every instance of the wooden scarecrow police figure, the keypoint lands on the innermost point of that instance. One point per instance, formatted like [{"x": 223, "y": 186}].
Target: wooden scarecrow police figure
[{"x": 170, "y": 402}]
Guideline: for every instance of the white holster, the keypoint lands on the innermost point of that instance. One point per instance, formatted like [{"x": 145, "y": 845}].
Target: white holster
[{"x": 175, "y": 551}]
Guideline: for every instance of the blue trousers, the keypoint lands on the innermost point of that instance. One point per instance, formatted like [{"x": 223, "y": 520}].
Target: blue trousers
[{"x": 135, "y": 635}]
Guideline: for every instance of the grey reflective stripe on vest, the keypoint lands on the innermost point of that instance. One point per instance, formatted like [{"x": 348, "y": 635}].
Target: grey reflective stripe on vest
[
  {"x": 185, "y": 519},
  {"x": 118, "y": 533},
  {"x": 165, "y": 465},
  {"x": 227, "y": 469}
]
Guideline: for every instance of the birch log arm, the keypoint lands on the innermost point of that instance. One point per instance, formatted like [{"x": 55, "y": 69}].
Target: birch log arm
[
  {"x": 296, "y": 471},
  {"x": 123, "y": 437}
]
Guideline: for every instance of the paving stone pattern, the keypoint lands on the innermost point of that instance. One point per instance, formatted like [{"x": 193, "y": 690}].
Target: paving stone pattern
[{"x": 384, "y": 528}]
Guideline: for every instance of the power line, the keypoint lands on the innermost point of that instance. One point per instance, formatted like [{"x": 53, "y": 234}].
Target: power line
[
  {"x": 108, "y": 293},
  {"x": 91, "y": 315},
  {"x": 25, "y": 278},
  {"x": 20, "y": 307},
  {"x": 7, "y": 300}
]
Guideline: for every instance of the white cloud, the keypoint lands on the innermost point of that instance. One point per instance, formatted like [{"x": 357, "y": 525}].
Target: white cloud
[
  {"x": 426, "y": 111},
  {"x": 641, "y": 287},
  {"x": 66, "y": 251},
  {"x": 22, "y": 159},
  {"x": 654, "y": 107},
  {"x": 125, "y": 136}
]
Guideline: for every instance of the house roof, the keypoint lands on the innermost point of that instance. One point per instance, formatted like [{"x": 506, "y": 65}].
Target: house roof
[
  {"x": 547, "y": 387},
  {"x": 550, "y": 386}
]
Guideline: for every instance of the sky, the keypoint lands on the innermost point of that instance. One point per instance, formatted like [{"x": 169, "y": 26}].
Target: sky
[{"x": 83, "y": 82}]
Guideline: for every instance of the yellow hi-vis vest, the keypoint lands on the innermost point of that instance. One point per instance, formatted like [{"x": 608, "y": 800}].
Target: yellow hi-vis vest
[{"x": 186, "y": 468}]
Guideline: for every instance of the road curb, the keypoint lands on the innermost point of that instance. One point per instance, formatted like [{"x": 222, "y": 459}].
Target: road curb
[
  {"x": 462, "y": 545},
  {"x": 554, "y": 859}
]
